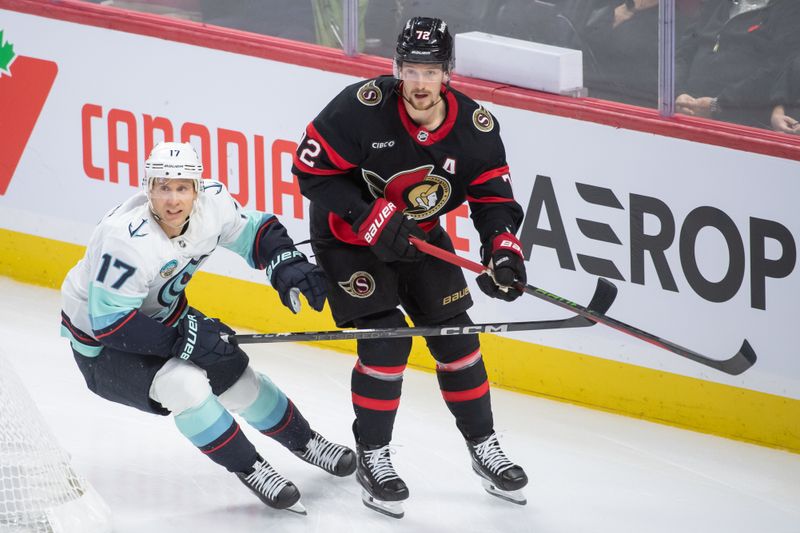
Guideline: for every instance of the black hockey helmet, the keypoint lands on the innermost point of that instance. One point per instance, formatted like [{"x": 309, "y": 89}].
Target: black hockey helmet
[{"x": 425, "y": 40}]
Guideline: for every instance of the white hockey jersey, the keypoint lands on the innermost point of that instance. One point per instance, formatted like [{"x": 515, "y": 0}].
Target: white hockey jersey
[{"x": 131, "y": 264}]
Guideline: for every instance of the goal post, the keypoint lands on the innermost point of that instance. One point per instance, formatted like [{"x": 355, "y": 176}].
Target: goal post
[{"x": 40, "y": 492}]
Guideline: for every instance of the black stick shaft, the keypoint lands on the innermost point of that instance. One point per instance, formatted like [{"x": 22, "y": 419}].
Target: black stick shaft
[
  {"x": 426, "y": 331},
  {"x": 741, "y": 360},
  {"x": 603, "y": 297}
]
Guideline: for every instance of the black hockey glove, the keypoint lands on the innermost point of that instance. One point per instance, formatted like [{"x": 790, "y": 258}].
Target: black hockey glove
[
  {"x": 386, "y": 229},
  {"x": 199, "y": 340},
  {"x": 504, "y": 257},
  {"x": 290, "y": 273}
]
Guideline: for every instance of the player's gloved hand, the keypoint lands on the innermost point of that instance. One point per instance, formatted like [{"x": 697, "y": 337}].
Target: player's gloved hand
[
  {"x": 290, "y": 273},
  {"x": 200, "y": 340},
  {"x": 386, "y": 229},
  {"x": 503, "y": 256}
]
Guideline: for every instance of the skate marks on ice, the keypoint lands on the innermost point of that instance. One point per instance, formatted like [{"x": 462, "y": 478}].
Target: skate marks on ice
[{"x": 589, "y": 471}]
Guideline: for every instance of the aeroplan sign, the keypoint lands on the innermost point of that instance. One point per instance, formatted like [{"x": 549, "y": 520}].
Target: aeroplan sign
[{"x": 653, "y": 246}]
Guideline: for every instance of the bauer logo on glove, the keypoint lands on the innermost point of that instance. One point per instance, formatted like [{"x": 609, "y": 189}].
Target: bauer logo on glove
[
  {"x": 291, "y": 274},
  {"x": 506, "y": 276},
  {"x": 190, "y": 337},
  {"x": 386, "y": 230},
  {"x": 376, "y": 224}
]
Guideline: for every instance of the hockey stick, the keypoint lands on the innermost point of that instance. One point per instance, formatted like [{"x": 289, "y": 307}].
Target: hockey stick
[
  {"x": 602, "y": 299},
  {"x": 741, "y": 360}
]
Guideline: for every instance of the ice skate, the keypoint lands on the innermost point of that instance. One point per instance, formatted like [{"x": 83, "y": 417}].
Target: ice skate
[
  {"x": 381, "y": 488},
  {"x": 333, "y": 458},
  {"x": 272, "y": 488},
  {"x": 500, "y": 477}
]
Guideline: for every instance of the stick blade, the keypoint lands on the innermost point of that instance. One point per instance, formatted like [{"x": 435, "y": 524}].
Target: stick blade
[
  {"x": 604, "y": 295},
  {"x": 744, "y": 359}
]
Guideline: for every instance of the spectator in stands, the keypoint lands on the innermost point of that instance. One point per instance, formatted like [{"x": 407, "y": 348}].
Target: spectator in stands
[
  {"x": 620, "y": 46},
  {"x": 619, "y": 40},
  {"x": 728, "y": 60},
  {"x": 786, "y": 99}
]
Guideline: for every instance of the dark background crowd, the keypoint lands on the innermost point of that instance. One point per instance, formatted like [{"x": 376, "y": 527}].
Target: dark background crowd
[{"x": 735, "y": 60}]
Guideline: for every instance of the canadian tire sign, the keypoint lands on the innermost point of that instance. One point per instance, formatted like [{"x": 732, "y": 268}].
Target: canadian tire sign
[{"x": 25, "y": 83}]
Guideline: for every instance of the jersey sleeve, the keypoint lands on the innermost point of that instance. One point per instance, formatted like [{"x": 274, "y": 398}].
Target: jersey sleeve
[
  {"x": 328, "y": 156},
  {"x": 120, "y": 283},
  {"x": 489, "y": 193},
  {"x": 255, "y": 236}
]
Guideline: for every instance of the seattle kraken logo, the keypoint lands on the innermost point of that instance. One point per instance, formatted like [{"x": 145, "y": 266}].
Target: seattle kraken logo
[
  {"x": 214, "y": 186},
  {"x": 171, "y": 291},
  {"x": 134, "y": 232}
]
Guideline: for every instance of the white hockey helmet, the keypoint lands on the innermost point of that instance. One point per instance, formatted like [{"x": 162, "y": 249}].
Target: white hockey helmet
[{"x": 171, "y": 160}]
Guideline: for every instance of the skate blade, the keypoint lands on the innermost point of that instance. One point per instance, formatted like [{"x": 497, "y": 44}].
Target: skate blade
[
  {"x": 393, "y": 509},
  {"x": 298, "y": 508},
  {"x": 513, "y": 496}
]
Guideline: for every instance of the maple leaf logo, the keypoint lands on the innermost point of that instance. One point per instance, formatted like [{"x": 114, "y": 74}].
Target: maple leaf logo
[
  {"x": 7, "y": 56},
  {"x": 22, "y": 98}
]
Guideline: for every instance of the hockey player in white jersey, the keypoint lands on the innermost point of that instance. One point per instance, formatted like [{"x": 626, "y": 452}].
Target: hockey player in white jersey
[{"x": 138, "y": 342}]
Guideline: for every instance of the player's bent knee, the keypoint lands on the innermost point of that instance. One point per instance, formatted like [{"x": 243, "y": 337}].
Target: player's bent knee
[
  {"x": 243, "y": 393},
  {"x": 179, "y": 386},
  {"x": 385, "y": 352},
  {"x": 387, "y": 319},
  {"x": 448, "y": 348}
]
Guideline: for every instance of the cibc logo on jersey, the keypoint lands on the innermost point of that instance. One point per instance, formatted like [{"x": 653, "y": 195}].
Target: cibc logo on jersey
[
  {"x": 421, "y": 193},
  {"x": 360, "y": 285}
]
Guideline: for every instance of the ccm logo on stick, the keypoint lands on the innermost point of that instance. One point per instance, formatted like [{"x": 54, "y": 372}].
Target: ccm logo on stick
[{"x": 468, "y": 330}]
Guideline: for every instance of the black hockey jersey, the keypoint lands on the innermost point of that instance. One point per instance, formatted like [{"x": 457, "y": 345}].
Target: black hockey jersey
[{"x": 364, "y": 145}]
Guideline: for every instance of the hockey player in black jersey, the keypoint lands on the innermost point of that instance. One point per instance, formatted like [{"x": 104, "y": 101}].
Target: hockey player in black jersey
[{"x": 385, "y": 160}]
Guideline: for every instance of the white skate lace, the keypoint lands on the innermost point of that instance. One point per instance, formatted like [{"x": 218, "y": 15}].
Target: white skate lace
[
  {"x": 380, "y": 464},
  {"x": 266, "y": 480},
  {"x": 323, "y": 453},
  {"x": 492, "y": 456}
]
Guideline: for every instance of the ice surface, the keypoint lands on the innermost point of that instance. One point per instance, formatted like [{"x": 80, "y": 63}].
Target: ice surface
[{"x": 590, "y": 471}]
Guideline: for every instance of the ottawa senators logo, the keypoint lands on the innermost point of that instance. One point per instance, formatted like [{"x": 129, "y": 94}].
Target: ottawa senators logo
[
  {"x": 421, "y": 194},
  {"x": 369, "y": 94},
  {"x": 360, "y": 285},
  {"x": 483, "y": 120}
]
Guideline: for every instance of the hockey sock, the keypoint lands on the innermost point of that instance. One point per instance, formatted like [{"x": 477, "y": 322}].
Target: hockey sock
[
  {"x": 274, "y": 415},
  {"x": 463, "y": 380},
  {"x": 211, "y": 428},
  {"x": 377, "y": 379}
]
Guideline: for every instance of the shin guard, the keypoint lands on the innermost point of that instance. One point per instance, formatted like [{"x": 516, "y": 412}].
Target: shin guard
[
  {"x": 211, "y": 428},
  {"x": 377, "y": 379},
  {"x": 274, "y": 415},
  {"x": 463, "y": 380}
]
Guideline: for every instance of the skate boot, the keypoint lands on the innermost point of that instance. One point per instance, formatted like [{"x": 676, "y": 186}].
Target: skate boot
[
  {"x": 381, "y": 488},
  {"x": 500, "y": 477},
  {"x": 331, "y": 457},
  {"x": 272, "y": 488}
]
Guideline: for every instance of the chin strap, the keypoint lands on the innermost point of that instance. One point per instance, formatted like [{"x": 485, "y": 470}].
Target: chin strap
[{"x": 162, "y": 221}]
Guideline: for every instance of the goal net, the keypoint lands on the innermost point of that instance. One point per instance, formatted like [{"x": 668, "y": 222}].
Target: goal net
[{"x": 39, "y": 490}]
